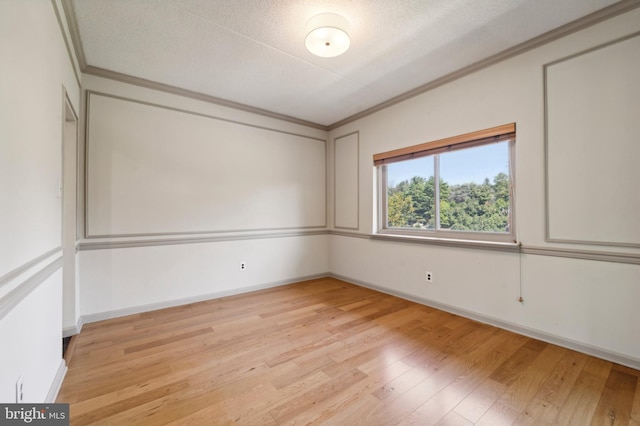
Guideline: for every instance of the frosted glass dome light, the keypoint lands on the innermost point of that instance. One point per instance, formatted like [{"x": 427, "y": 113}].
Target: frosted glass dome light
[{"x": 327, "y": 35}]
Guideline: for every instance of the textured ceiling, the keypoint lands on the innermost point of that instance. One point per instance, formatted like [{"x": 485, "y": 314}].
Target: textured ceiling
[{"x": 252, "y": 51}]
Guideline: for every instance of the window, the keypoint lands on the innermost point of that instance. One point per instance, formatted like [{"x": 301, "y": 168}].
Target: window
[{"x": 458, "y": 188}]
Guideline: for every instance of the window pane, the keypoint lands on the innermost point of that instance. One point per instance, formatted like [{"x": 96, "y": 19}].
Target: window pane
[
  {"x": 410, "y": 194},
  {"x": 474, "y": 189}
]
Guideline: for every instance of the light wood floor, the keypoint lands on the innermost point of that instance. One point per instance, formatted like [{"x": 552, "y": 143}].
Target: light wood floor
[{"x": 325, "y": 351}]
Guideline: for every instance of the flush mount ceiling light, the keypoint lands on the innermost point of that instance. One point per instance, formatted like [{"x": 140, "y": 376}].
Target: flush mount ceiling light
[{"x": 327, "y": 35}]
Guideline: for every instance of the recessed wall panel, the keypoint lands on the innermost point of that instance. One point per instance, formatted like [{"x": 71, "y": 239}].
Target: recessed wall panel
[
  {"x": 153, "y": 170},
  {"x": 593, "y": 145},
  {"x": 346, "y": 181}
]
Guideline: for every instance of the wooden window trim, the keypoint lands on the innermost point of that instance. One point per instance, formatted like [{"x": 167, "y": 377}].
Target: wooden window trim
[{"x": 467, "y": 140}]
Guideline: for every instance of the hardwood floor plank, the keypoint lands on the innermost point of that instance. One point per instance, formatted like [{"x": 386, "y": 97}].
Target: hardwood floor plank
[
  {"x": 304, "y": 404},
  {"x": 583, "y": 399},
  {"x": 356, "y": 413},
  {"x": 635, "y": 409},
  {"x": 498, "y": 415},
  {"x": 453, "y": 419},
  {"x": 516, "y": 364},
  {"x": 302, "y": 349},
  {"x": 167, "y": 341},
  {"x": 529, "y": 382},
  {"x": 327, "y": 352},
  {"x": 247, "y": 408},
  {"x": 202, "y": 393},
  {"x": 102, "y": 410},
  {"x": 440, "y": 372},
  {"x": 614, "y": 407},
  {"x": 477, "y": 371},
  {"x": 92, "y": 387},
  {"x": 338, "y": 403},
  {"x": 400, "y": 385},
  {"x": 80, "y": 407},
  {"x": 307, "y": 366},
  {"x": 388, "y": 351},
  {"x": 544, "y": 407},
  {"x": 478, "y": 402}
]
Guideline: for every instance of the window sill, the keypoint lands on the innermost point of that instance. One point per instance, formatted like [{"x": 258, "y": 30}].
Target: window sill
[{"x": 450, "y": 242}]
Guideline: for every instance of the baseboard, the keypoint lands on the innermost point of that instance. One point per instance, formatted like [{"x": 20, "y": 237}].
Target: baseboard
[
  {"x": 73, "y": 330},
  {"x": 57, "y": 383},
  {"x": 100, "y": 316},
  {"x": 526, "y": 331}
]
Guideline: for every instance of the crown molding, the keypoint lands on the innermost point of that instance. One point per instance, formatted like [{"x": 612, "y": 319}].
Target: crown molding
[
  {"x": 167, "y": 88},
  {"x": 72, "y": 22}
]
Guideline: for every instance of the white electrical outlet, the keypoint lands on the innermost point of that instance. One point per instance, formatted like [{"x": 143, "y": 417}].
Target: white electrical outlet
[
  {"x": 243, "y": 266},
  {"x": 428, "y": 277},
  {"x": 19, "y": 391}
]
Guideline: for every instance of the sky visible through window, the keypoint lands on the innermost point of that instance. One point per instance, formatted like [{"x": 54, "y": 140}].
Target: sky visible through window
[{"x": 457, "y": 167}]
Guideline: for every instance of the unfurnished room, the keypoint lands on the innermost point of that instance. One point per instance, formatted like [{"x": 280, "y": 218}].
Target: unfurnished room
[{"x": 328, "y": 212}]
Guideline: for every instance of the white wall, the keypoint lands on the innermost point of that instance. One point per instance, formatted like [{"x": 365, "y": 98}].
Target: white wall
[
  {"x": 155, "y": 170},
  {"x": 273, "y": 220},
  {"x": 35, "y": 68},
  {"x": 126, "y": 280},
  {"x": 584, "y": 303},
  {"x": 32, "y": 343},
  {"x": 587, "y": 128}
]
